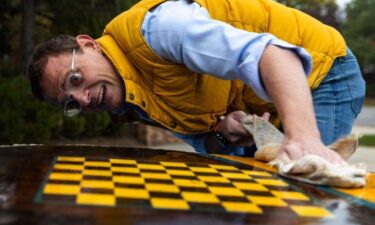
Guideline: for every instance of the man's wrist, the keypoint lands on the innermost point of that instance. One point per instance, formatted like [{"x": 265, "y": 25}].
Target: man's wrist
[
  {"x": 215, "y": 143},
  {"x": 223, "y": 142}
]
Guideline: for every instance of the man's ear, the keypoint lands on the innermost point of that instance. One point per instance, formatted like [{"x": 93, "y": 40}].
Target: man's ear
[{"x": 85, "y": 41}]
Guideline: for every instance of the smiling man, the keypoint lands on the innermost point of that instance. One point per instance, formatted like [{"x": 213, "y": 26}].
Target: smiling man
[
  {"x": 182, "y": 65},
  {"x": 100, "y": 88}
]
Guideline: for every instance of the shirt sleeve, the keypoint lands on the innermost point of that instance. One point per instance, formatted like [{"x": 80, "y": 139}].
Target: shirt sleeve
[{"x": 184, "y": 33}]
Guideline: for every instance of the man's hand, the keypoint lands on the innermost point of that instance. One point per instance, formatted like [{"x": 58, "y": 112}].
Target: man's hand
[
  {"x": 232, "y": 129},
  {"x": 294, "y": 149}
]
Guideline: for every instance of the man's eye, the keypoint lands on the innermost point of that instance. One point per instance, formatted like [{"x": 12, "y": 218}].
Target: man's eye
[{"x": 75, "y": 80}]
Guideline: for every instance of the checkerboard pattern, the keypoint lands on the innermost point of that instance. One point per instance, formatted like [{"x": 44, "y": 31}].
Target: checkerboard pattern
[{"x": 124, "y": 182}]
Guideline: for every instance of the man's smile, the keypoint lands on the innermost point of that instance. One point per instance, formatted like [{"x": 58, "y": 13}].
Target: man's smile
[{"x": 101, "y": 96}]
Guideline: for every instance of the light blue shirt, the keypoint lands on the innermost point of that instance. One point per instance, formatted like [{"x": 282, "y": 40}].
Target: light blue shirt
[{"x": 183, "y": 33}]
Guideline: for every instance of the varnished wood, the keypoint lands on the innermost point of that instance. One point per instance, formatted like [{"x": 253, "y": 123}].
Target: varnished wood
[{"x": 24, "y": 172}]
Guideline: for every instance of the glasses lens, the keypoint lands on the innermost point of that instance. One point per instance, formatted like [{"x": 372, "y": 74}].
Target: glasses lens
[
  {"x": 72, "y": 108},
  {"x": 74, "y": 82}
]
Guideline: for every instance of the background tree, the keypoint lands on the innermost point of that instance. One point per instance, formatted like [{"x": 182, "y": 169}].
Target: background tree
[
  {"x": 27, "y": 32},
  {"x": 9, "y": 18},
  {"x": 359, "y": 30}
]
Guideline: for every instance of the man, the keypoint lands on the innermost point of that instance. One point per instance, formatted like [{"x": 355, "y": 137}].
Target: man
[{"x": 182, "y": 65}]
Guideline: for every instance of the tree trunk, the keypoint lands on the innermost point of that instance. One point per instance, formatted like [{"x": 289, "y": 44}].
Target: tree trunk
[{"x": 27, "y": 32}]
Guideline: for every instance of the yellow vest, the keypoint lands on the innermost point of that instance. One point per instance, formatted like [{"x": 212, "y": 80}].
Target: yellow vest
[{"x": 188, "y": 102}]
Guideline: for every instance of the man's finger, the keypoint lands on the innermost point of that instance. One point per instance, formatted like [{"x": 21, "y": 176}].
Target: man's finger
[{"x": 266, "y": 116}]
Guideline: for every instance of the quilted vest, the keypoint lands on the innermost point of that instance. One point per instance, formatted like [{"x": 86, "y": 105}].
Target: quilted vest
[{"x": 188, "y": 102}]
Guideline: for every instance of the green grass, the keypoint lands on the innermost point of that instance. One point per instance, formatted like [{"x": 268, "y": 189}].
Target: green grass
[{"x": 367, "y": 140}]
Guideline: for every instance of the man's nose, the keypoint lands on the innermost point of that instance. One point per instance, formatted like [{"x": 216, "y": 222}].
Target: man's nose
[{"x": 82, "y": 97}]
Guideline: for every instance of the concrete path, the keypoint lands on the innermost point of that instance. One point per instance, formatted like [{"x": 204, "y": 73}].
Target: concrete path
[{"x": 365, "y": 124}]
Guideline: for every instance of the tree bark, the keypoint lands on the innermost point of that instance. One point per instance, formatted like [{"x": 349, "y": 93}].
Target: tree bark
[{"x": 27, "y": 32}]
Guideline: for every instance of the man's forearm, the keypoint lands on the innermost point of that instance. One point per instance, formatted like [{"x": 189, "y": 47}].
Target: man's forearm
[{"x": 283, "y": 76}]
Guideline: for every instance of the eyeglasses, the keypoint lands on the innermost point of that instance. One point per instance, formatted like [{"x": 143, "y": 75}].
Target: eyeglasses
[{"x": 73, "y": 82}]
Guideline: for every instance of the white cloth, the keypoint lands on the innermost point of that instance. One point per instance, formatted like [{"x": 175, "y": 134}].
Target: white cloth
[{"x": 311, "y": 169}]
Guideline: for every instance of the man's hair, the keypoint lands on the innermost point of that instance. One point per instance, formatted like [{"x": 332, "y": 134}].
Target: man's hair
[{"x": 54, "y": 46}]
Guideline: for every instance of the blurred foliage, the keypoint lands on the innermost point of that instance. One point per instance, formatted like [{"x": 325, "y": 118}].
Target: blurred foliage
[
  {"x": 7, "y": 13},
  {"x": 87, "y": 17},
  {"x": 22, "y": 117},
  {"x": 359, "y": 30},
  {"x": 370, "y": 91}
]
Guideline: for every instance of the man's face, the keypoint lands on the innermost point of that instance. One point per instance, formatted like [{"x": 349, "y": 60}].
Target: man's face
[{"x": 101, "y": 89}]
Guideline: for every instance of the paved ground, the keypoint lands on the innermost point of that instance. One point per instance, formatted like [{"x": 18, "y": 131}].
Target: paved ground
[
  {"x": 365, "y": 124},
  {"x": 366, "y": 117}
]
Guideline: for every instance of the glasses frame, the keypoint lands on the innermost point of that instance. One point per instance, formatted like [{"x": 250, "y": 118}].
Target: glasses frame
[{"x": 74, "y": 111}]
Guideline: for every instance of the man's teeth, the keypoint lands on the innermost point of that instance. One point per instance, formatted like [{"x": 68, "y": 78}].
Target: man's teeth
[{"x": 101, "y": 96}]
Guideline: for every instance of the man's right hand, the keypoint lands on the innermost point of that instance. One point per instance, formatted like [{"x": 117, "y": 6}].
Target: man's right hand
[{"x": 232, "y": 129}]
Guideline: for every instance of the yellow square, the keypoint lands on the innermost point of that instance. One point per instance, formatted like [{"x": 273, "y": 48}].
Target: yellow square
[
  {"x": 311, "y": 211},
  {"x": 213, "y": 179},
  {"x": 70, "y": 159},
  {"x": 186, "y": 173},
  {"x": 290, "y": 195},
  {"x": 257, "y": 173},
  {"x": 65, "y": 176},
  {"x": 223, "y": 167},
  {"x": 97, "y": 184},
  {"x": 96, "y": 199},
  {"x": 236, "y": 176},
  {"x": 272, "y": 182},
  {"x": 199, "y": 197},
  {"x": 97, "y": 164},
  {"x": 267, "y": 201},
  {"x": 133, "y": 193},
  {"x": 167, "y": 188},
  {"x": 189, "y": 183},
  {"x": 99, "y": 173},
  {"x": 250, "y": 186},
  {"x": 68, "y": 167},
  {"x": 125, "y": 169},
  {"x": 61, "y": 189},
  {"x": 128, "y": 180},
  {"x": 123, "y": 161},
  {"x": 150, "y": 166},
  {"x": 169, "y": 203},
  {"x": 173, "y": 164},
  {"x": 203, "y": 169},
  {"x": 241, "y": 207},
  {"x": 160, "y": 176},
  {"x": 226, "y": 191}
]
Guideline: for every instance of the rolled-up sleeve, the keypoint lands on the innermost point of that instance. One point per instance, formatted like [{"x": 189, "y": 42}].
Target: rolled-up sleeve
[{"x": 184, "y": 33}]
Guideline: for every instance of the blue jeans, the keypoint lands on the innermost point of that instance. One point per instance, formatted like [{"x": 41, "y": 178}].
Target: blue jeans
[{"x": 339, "y": 99}]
